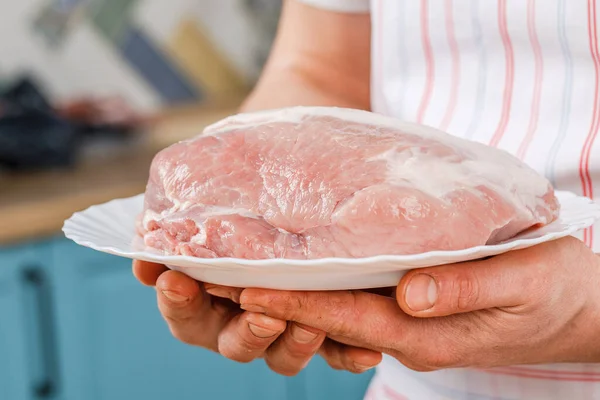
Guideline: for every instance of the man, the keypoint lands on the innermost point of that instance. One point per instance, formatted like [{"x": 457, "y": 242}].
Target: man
[{"x": 520, "y": 75}]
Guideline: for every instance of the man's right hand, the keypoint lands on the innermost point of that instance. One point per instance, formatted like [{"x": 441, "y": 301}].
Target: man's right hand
[{"x": 216, "y": 322}]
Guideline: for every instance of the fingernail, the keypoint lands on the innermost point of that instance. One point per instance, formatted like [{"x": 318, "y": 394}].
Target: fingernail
[
  {"x": 362, "y": 368},
  {"x": 223, "y": 292},
  {"x": 421, "y": 293},
  {"x": 252, "y": 308},
  {"x": 175, "y": 297},
  {"x": 260, "y": 331},
  {"x": 302, "y": 335}
]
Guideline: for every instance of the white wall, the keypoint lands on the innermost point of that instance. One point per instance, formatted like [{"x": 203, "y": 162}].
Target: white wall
[{"x": 87, "y": 64}]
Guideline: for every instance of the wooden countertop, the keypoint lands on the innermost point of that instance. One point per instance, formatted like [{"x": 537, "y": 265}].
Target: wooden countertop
[{"x": 36, "y": 205}]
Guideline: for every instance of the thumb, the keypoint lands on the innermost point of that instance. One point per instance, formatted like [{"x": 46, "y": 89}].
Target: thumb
[{"x": 464, "y": 287}]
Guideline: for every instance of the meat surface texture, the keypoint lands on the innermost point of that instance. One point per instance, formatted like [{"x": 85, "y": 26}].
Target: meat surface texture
[{"x": 314, "y": 182}]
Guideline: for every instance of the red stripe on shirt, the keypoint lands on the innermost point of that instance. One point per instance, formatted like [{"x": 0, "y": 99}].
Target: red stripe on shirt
[
  {"x": 534, "y": 375},
  {"x": 380, "y": 55},
  {"x": 455, "y": 55},
  {"x": 552, "y": 372},
  {"x": 429, "y": 64},
  {"x": 537, "y": 86},
  {"x": 509, "y": 75},
  {"x": 392, "y": 394},
  {"x": 584, "y": 161}
]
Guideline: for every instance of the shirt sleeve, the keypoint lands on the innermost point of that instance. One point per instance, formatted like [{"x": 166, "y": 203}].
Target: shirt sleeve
[{"x": 350, "y": 6}]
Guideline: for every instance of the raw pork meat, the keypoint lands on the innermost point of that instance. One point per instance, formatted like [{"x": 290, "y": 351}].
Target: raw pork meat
[{"x": 313, "y": 182}]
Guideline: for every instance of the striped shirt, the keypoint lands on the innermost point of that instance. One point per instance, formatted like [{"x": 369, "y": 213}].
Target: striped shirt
[{"x": 521, "y": 75}]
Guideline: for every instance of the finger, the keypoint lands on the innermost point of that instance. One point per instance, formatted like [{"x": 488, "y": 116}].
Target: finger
[
  {"x": 189, "y": 312},
  {"x": 294, "y": 349},
  {"x": 451, "y": 289},
  {"x": 248, "y": 336},
  {"x": 146, "y": 272},
  {"x": 226, "y": 292},
  {"x": 349, "y": 358},
  {"x": 372, "y": 321}
]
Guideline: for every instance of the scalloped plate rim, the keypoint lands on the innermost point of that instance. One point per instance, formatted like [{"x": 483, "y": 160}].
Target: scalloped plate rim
[{"x": 400, "y": 262}]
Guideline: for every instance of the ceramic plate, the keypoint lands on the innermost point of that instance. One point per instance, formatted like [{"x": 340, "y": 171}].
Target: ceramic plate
[{"x": 110, "y": 228}]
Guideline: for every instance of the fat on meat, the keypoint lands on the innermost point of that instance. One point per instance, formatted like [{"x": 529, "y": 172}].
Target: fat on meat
[{"x": 314, "y": 182}]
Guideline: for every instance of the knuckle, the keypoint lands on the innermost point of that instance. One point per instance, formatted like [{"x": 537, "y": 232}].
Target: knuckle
[
  {"x": 467, "y": 291},
  {"x": 348, "y": 362},
  {"x": 291, "y": 305},
  {"x": 420, "y": 368},
  {"x": 249, "y": 342},
  {"x": 339, "y": 327},
  {"x": 342, "y": 307},
  {"x": 236, "y": 350},
  {"x": 333, "y": 363},
  {"x": 332, "y": 359},
  {"x": 174, "y": 318},
  {"x": 437, "y": 359},
  {"x": 177, "y": 316},
  {"x": 352, "y": 368},
  {"x": 238, "y": 343},
  {"x": 298, "y": 351}
]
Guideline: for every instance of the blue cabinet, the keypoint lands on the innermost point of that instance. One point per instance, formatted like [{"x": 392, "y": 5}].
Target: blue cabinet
[
  {"x": 75, "y": 324},
  {"x": 26, "y": 368},
  {"x": 113, "y": 343},
  {"x": 14, "y": 377}
]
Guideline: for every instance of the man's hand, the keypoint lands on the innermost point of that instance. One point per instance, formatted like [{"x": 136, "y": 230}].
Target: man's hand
[
  {"x": 538, "y": 305},
  {"x": 217, "y": 323}
]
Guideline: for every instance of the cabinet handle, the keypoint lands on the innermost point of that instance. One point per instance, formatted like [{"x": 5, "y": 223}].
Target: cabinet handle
[{"x": 35, "y": 278}]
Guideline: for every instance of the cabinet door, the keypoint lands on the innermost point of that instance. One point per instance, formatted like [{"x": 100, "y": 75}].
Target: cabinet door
[
  {"x": 25, "y": 370},
  {"x": 113, "y": 343}
]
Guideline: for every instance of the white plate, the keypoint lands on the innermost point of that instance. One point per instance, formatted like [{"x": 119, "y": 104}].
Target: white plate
[{"x": 110, "y": 228}]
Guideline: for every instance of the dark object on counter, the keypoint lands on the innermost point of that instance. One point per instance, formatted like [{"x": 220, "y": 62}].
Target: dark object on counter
[
  {"x": 31, "y": 135},
  {"x": 24, "y": 94},
  {"x": 35, "y": 135},
  {"x": 33, "y": 139}
]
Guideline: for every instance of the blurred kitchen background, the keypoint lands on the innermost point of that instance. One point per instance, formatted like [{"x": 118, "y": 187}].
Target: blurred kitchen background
[{"x": 90, "y": 90}]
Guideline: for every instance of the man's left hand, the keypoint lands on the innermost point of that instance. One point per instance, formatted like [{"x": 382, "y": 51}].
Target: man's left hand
[{"x": 538, "y": 305}]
